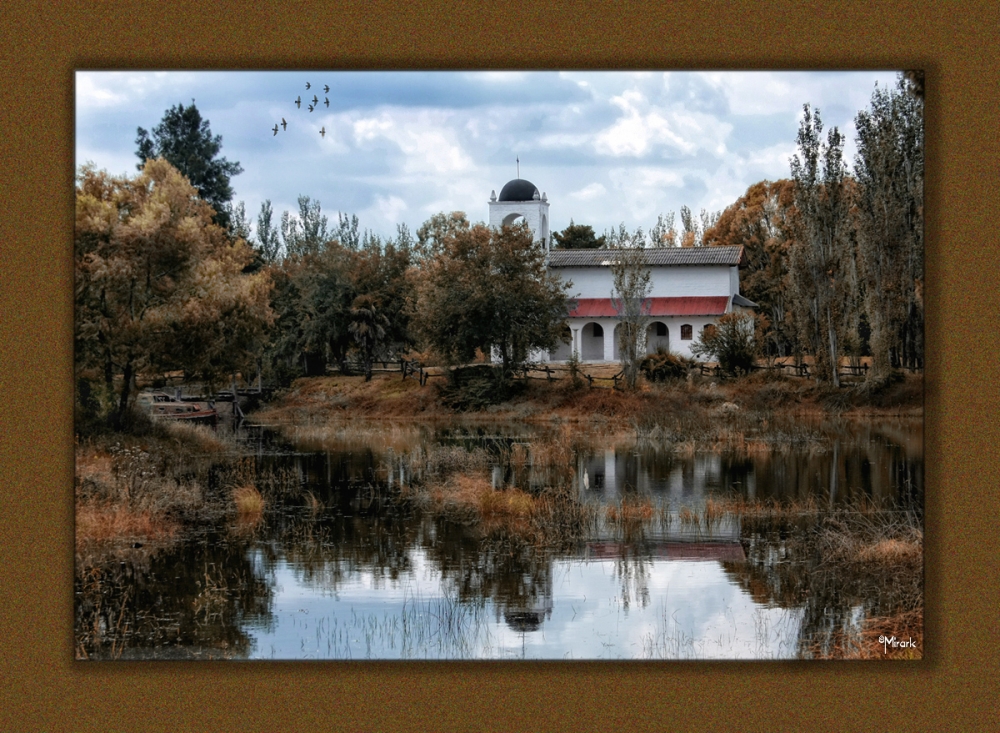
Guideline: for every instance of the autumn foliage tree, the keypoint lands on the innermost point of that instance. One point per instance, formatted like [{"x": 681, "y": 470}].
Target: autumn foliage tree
[
  {"x": 158, "y": 285},
  {"x": 763, "y": 222}
]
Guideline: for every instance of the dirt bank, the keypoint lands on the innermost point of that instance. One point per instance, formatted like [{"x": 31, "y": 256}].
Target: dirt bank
[{"x": 318, "y": 399}]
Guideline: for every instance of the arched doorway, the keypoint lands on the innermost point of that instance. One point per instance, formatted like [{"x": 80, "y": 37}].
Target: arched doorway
[
  {"x": 657, "y": 336},
  {"x": 592, "y": 342}
]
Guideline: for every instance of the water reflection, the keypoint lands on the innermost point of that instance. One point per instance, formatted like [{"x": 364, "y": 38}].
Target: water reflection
[{"x": 346, "y": 567}]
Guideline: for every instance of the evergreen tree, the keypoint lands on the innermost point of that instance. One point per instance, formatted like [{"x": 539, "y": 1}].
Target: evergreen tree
[
  {"x": 185, "y": 140},
  {"x": 577, "y": 236}
]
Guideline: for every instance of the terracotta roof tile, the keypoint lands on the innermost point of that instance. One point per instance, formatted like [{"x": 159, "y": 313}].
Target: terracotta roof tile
[{"x": 689, "y": 306}]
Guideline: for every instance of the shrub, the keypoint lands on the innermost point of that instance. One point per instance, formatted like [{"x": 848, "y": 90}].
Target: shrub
[
  {"x": 663, "y": 366},
  {"x": 476, "y": 387},
  {"x": 735, "y": 341}
]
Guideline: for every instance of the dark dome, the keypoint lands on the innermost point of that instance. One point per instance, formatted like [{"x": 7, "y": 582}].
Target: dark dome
[{"x": 518, "y": 190}]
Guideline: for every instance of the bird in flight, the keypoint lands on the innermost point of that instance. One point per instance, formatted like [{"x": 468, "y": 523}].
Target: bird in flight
[
  {"x": 322, "y": 132},
  {"x": 327, "y": 102},
  {"x": 307, "y": 85},
  {"x": 315, "y": 99},
  {"x": 284, "y": 125},
  {"x": 298, "y": 101},
  {"x": 310, "y": 108},
  {"x": 275, "y": 129},
  {"x": 326, "y": 88}
]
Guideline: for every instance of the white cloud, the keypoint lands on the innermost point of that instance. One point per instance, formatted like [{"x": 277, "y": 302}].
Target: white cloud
[
  {"x": 390, "y": 207},
  {"x": 593, "y": 191},
  {"x": 427, "y": 139},
  {"x": 644, "y": 127}
]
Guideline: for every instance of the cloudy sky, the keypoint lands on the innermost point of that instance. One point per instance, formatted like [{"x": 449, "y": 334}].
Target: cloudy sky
[{"x": 606, "y": 147}]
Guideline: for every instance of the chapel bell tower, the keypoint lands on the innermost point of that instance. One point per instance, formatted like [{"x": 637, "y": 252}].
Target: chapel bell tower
[{"x": 520, "y": 199}]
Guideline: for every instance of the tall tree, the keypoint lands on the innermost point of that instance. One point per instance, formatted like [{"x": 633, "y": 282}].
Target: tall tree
[
  {"x": 268, "y": 243},
  {"x": 690, "y": 237},
  {"x": 158, "y": 285},
  {"x": 889, "y": 168},
  {"x": 347, "y": 231},
  {"x": 185, "y": 140},
  {"x": 630, "y": 297},
  {"x": 822, "y": 254},
  {"x": 577, "y": 236},
  {"x": 368, "y": 329},
  {"x": 490, "y": 290},
  {"x": 663, "y": 233},
  {"x": 305, "y": 234},
  {"x": 439, "y": 229},
  {"x": 381, "y": 271}
]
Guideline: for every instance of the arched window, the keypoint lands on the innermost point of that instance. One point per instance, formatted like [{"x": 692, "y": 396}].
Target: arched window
[
  {"x": 686, "y": 330},
  {"x": 709, "y": 330},
  {"x": 598, "y": 331},
  {"x": 661, "y": 328}
]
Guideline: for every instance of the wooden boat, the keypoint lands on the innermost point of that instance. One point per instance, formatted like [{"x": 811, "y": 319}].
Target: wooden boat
[{"x": 162, "y": 405}]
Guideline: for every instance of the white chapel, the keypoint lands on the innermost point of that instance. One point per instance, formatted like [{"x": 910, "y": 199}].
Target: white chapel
[{"x": 690, "y": 287}]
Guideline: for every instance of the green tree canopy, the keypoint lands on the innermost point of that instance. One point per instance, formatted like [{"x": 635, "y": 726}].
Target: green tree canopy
[
  {"x": 185, "y": 140},
  {"x": 734, "y": 341},
  {"x": 158, "y": 285},
  {"x": 577, "y": 236},
  {"x": 489, "y": 289}
]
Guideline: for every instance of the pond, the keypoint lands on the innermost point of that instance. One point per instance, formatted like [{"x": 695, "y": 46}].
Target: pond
[{"x": 363, "y": 555}]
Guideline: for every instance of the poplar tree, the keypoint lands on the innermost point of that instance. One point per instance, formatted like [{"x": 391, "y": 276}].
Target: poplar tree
[
  {"x": 889, "y": 168},
  {"x": 632, "y": 284},
  {"x": 822, "y": 255}
]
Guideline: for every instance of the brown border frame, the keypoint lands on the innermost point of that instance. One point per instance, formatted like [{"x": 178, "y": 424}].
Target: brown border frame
[{"x": 41, "y": 687}]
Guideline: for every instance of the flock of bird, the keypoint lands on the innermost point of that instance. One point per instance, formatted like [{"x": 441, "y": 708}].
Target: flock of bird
[{"x": 314, "y": 105}]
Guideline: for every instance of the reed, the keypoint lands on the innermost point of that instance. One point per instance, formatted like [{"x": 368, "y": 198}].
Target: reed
[
  {"x": 248, "y": 501},
  {"x": 631, "y": 511},
  {"x": 686, "y": 516}
]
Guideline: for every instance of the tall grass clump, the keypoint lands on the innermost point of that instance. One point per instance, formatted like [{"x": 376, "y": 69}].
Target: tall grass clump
[{"x": 248, "y": 500}]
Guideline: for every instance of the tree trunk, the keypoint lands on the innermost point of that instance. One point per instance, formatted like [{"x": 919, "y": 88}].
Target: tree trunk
[
  {"x": 126, "y": 393},
  {"x": 832, "y": 334}
]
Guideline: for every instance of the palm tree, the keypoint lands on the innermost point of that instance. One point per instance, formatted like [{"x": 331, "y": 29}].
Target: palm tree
[{"x": 368, "y": 327}]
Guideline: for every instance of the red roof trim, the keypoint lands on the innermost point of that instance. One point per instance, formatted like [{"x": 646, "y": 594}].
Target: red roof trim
[{"x": 690, "y": 306}]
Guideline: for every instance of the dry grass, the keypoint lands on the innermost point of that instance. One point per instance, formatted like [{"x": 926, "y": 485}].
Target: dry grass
[
  {"x": 104, "y": 523},
  {"x": 686, "y": 516},
  {"x": 248, "y": 500},
  {"x": 313, "y": 503},
  {"x": 714, "y": 512},
  {"x": 891, "y": 551},
  {"x": 511, "y": 516},
  {"x": 200, "y": 438},
  {"x": 898, "y": 636},
  {"x": 634, "y": 511}
]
